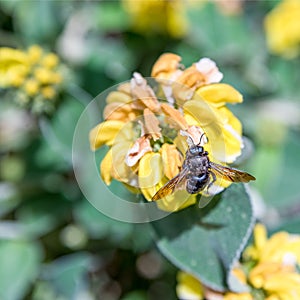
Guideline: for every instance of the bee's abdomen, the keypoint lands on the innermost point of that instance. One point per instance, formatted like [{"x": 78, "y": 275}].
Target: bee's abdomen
[{"x": 196, "y": 183}]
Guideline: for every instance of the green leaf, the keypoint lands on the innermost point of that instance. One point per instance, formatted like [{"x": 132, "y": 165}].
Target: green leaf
[
  {"x": 207, "y": 242},
  {"x": 19, "y": 266},
  {"x": 59, "y": 131},
  {"x": 135, "y": 295},
  {"x": 68, "y": 274},
  {"x": 39, "y": 216},
  {"x": 100, "y": 226},
  {"x": 111, "y": 16},
  {"x": 39, "y": 21}
]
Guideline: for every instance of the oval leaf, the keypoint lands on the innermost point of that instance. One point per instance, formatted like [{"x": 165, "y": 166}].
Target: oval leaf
[{"x": 207, "y": 242}]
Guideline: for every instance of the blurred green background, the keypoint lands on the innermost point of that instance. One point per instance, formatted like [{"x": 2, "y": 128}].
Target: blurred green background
[{"x": 53, "y": 243}]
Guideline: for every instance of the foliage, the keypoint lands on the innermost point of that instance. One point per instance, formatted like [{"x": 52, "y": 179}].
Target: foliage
[{"x": 54, "y": 244}]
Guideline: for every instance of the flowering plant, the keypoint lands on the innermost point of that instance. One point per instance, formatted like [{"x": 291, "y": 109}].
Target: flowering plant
[
  {"x": 35, "y": 77},
  {"x": 147, "y": 131}
]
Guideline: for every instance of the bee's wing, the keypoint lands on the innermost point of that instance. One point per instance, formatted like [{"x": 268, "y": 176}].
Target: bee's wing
[
  {"x": 231, "y": 174},
  {"x": 170, "y": 187}
]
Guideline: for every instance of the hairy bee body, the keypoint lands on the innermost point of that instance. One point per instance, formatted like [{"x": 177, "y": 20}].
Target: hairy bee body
[{"x": 197, "y": 162}]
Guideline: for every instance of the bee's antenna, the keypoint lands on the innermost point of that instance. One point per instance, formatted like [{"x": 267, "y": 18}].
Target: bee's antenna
[
  {"x": 191, "y": 140},
  {"x": 201, "y": 138}
]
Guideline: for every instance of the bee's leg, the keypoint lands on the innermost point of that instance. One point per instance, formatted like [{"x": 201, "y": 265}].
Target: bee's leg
[{"x": 212, "y": 181}]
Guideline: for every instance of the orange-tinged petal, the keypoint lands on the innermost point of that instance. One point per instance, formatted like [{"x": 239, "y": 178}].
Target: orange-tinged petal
[
  {"x": 219, "y": 94},
  {"x": 191, "y": 78},
  {"x": 106, "y": 167},
  {"x": 174, "y": 117},
  {"x": 117, "y": 111},
  {"x": 171, "y": 160},
  {"x": 152, "y": 124},
  {"x": 105, "y": 133},
  {"x": 166, "y": 64},
  {"x": 140, "y": 90},
  {"x": 186, "y": 83}
]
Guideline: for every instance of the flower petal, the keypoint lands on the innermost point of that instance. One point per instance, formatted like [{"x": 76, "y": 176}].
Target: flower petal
[
  {"x": 119, "y": 111},
  {"x": 219, "y": 94},
  {"x": 174, "y": 117},
  {"x": 186, "y": 83},
  {"x": 171, "y": 160},
  {"x": 152, "y": 124},
  {"x": 121, "y": 171},
  {"x": 166, "y": 65},
  {"x": 106, "y": 167},
  {"x": 105, "y": 133},
  {"x": 140, "y": 90},
  {"x": 117, "y": 96},
  {"x": 150, "y": 173},
  {"x": 180, "y": 199},
  {"x": 188, "y": 287},
  {"x": 209, "y": 69},
  {"x": 138, "y": 150},
  {"x": 260, "y": 236},
  {"x": 203, "y": 113}
]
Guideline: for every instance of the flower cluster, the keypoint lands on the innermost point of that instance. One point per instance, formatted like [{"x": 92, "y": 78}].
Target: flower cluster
[
  {"x": 269, "y": 268},
  {"x": 147, "y": 130},
  {"x": 166, "y": 17},
  {"x": 282, "y": 27},
  {"x": 34, "y": 76}
]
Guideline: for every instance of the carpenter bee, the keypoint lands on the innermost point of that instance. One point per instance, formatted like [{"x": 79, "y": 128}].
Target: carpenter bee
[{"x": 198, "y": 172}]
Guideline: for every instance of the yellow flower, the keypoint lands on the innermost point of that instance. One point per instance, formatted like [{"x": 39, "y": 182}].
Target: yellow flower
[
  {"x": 48, "y": 92},
  {"x": 275, "y": 264},
  {"x": 189, "y": 288},
  {"x": 50, "y": 61},
  {"x": 148, "y": 138},
  {"x": 31, "y": 87},
  {"x": 271, "y": 270},
  {"x": 282, "y": 247},
  {"x": 30, "y": 74},
  {"x": 34, "y": 54},
  {"x": 166, "y": 17},
  {"x": 282, "y": 26}
]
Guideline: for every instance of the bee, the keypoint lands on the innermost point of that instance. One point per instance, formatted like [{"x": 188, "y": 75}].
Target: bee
[{"x": 198, "y": 172}]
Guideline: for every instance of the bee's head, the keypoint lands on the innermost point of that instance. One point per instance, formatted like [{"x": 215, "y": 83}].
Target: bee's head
[{"x": 196, "y": 149}]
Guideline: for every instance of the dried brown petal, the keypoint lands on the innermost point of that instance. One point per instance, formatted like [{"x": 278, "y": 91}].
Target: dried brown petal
[
  {"x": 174, "y": 117},
  {"x": 138, "y": 150},
  {"x": 152, "y": 124},
  {"x": 142, "y": 91}
]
